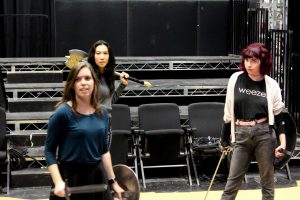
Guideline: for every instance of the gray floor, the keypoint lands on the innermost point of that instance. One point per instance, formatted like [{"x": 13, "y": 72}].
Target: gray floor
[{"x": 178, "y": 184}]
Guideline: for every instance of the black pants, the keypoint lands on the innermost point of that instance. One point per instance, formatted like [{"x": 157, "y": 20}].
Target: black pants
[
  {"x": 78, "y": 175},
  {"x": 252, "y": 141}
]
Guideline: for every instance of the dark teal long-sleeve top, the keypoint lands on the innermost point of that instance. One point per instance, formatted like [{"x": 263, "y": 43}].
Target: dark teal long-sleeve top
[{"x": 76, "y": 138}]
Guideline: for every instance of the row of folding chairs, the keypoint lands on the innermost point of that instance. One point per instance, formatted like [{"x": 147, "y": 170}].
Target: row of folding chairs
[{"x": 161, "y": 141}]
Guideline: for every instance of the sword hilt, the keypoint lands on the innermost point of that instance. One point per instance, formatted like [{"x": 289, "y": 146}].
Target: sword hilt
[
  {"x": 145, "y": 83},
  {"x": 67, "y": 192}
]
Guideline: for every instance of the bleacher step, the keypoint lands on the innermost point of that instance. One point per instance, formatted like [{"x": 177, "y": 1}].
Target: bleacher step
[
  {"x": 35, "y": 77},
  {"x": 32, "y": 104},
  {"x": 31, "y": 177}
]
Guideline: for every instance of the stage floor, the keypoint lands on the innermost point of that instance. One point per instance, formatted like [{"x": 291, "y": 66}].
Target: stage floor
[
  {"x": 178, "y": 188},
  {"x": 288, "y": 193}
]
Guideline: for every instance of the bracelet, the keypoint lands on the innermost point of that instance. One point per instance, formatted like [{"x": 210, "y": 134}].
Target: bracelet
[{"x": 112, "y": 181}]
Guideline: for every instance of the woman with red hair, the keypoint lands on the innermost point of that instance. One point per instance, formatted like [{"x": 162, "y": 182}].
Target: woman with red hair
[{"x": 253, "y": 107}]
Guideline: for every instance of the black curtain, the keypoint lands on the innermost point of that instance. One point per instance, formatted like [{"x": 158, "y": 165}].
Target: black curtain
[
  {"x": 25, "y": 28},
  {"x": 294, "y": 23}
]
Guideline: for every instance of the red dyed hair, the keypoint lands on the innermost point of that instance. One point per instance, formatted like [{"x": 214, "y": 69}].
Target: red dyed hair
[{"x": 259, "y": 51}]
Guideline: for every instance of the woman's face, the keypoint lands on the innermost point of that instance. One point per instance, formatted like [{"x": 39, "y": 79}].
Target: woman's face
[
  {"x": 101, "y": 57},
  {"x": 84, "y": 83},
  {"x": 252, "y": 66}
]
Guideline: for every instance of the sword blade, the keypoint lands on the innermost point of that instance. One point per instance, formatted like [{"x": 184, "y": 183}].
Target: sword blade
[
  {"x": 87, "y": 189},
  {"x": 84, "y": 189}
]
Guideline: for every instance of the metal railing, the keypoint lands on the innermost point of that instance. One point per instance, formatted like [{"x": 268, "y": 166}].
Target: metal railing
[
  {"x": 279, "y": 42},
  {"x": 257, "y": 25}
]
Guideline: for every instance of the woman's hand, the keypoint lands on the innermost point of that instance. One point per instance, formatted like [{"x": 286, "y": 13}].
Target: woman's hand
[
  {"x": 117, "y": 191},
  {"x": 59, "y": 189},
  {"x": 279, "y": 151},
  {"x": 124, "y": 78}
]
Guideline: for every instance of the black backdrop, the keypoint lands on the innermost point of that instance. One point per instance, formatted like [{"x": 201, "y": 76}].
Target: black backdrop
[
  {"x": 42, "y": 28},
  {"x": 46, "y": 28},
  {"x": 25, "y": 28},
  {"x": 294, "y": 23}
]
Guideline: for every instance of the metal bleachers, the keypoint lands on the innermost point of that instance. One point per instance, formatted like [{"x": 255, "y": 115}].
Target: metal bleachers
[{"x": 174, "y": 79}]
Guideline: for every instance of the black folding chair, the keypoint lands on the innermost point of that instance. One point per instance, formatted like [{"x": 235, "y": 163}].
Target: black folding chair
[
  {"x": 123, "y": 147},
  {"x": 162, "y": 140},
  {"x": 3, "y": 151},
  {"x": 205, "y": 121}
]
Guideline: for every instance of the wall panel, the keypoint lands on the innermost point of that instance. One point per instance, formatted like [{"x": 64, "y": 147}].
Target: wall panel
[
  {"x": 167, "y": 28},
  {"x": 80, "y": 23},
  {"x": 143, "y": 27}
]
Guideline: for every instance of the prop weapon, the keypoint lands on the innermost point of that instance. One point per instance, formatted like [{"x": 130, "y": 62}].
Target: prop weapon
[
  {"x": 125, "y": 177},
  {"x": 291, "y": 140},
  {"x": 225, "y": 151},
  {"x": 82, "y": 189},
  {"x": 145, "y": 83},
  {"x": 76, "y": 55},
  {"x": 127, "y": 180}
]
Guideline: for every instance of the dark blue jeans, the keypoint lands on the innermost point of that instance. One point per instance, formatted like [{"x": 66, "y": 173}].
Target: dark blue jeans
[{"x": 252, "y": 141}]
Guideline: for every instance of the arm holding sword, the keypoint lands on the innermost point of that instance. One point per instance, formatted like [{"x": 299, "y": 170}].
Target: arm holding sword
[
  {"x": 59, "y": 184},
  {"x": 107, "y": 166}
]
